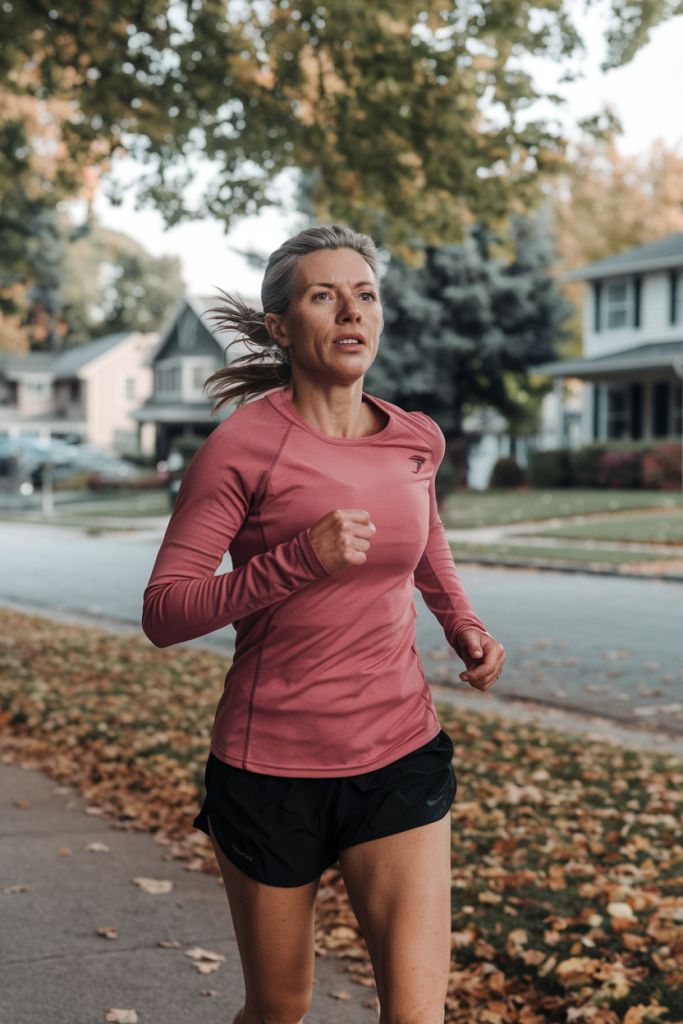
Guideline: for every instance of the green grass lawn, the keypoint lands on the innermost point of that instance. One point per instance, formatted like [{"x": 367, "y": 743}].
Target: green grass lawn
[
  {"x": 585, "y": 556},
  {"x": 662, "y": 528},
  {"x": 469, "y": 509}
]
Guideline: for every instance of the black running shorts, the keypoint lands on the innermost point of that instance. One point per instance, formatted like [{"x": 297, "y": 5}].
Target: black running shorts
[{"x": 285, "y": 832}]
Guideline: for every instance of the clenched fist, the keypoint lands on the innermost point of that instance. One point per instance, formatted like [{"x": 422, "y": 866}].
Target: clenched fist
[{"x": 341, "y": 538}]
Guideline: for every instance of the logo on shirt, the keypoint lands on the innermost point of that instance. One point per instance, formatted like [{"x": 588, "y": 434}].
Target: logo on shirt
[
  {"x": 419, "y": 462},
  {"x": 241, "y": 852}
]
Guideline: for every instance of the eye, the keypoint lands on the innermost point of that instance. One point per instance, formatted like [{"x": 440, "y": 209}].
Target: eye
[
  {"x": 365, "y": 296},
  {"x": 322, "y": 295}
]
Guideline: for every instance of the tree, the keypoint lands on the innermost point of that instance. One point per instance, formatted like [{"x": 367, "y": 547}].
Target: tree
[
  {"x": 462, "y": 331},
  {"x": 384, "y": 103},
  {"x": 112, "y": 284}
]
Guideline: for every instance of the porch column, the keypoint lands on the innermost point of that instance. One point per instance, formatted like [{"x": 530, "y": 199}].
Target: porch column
[{"x": 558, "y": 391}]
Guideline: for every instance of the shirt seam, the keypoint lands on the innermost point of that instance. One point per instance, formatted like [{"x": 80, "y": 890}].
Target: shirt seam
[{"x": 257, "y": 671}]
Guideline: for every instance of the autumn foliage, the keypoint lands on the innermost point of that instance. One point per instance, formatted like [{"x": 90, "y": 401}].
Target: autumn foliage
[{"x": 567, "y": 862}]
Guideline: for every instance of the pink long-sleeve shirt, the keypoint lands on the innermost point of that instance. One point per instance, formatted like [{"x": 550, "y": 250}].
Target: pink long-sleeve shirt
[{"x": 326, "y": 679}]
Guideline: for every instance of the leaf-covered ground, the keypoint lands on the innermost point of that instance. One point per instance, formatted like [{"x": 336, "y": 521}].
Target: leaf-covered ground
[{"x": 567, "y": 856}]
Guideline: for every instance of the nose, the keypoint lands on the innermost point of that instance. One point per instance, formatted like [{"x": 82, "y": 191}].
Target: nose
[{"x": 349, "y": 311}]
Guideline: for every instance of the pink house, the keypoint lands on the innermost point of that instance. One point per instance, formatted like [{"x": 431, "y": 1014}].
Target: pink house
[{"x": 86, "y": 393}]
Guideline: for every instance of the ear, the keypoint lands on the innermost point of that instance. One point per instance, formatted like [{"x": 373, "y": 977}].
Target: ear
[{"x": 276, "y": 330}]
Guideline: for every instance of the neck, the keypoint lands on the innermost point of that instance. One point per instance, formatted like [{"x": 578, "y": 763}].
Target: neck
[{"x": 335, "y": 409}]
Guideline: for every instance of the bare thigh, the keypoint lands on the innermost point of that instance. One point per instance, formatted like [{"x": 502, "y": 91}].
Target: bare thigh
[
  {"x": 274, "y": 928},
  {"x": 400, "y": 889}
]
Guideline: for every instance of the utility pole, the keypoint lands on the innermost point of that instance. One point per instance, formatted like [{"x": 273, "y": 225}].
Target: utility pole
[{"x": 48, "y": 496}]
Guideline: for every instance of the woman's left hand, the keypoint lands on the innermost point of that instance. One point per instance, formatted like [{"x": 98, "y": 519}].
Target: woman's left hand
[{"x": 483, "y": 657}]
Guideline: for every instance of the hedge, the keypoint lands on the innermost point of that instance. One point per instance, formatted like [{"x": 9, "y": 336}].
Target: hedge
[{"x": 655, "y": 466}]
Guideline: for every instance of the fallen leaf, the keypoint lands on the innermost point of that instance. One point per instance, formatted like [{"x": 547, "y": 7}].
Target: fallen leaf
[
  {"x": 205, "y": 968},
  {"x": 108, "y": 932},
  {"x": 532, "y": 957},
  {"x": 122, "y": 1016},
  {"x": 64, "y": 851},
  {"x": 623, "y": 910},
  {"x": 340, "y": 995},
  {"x": 97, "y": 848},
  {"x": 96, "y": 811},
  {"x": 16, "y": 888},
  {"x": 23, "y": 804},
  {"x": 639, "y": 1013},
  {"x": 547, "y": 966},
  {"x": 576, "y": 971},
  {"x": 516, "y": 940},
  {"x": 489, "y": 897},
  {"x": 154, "y": 886},
  {"x": 372, "y": 1004},
  {"x": 168, "y": 944},
  {"x": 209, "y": 992},
  {"x": 197, "y": 953},
  {"x": 460, "y": 939}
]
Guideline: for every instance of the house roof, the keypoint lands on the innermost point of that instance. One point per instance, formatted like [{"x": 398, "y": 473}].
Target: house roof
[
  {"x": 60, "y": 364},
  {"x": 660, "y": 255},
  {"x": 664, "y": 355},
  {"x": 200, "y": 305},
  {"x": 70, "y": 360}
]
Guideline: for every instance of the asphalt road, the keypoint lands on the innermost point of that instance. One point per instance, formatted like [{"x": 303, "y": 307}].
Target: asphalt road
[{"x": 599, "y": 644}]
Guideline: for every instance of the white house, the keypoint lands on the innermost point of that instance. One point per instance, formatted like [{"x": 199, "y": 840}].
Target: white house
[
  {"x": 85, "y": 393},
  {"x": 632, "y": 364}
]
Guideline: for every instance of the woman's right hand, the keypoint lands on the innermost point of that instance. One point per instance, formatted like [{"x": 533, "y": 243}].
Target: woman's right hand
[{"x": 341, "y": 538}]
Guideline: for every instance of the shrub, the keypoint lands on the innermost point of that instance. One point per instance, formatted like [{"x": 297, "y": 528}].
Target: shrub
[
  {"x": 661, "y": 467},
  {"x": 618, "y": 469},
  {"x": 586, "y": 464},
  {"x": 551, "y": 469},
  {"x": 506, "y": 473}
]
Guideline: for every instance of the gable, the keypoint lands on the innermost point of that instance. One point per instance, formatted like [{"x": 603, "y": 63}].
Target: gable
[{"x": 188, "y": 336}]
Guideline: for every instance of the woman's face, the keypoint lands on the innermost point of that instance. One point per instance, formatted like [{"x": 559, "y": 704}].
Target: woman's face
[{"x": 334, "y": 320}]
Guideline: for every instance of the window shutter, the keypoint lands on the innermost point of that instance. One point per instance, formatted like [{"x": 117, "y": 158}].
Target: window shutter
[
  {"x": 637, "y": 292},
  {"x": 597, "y": 296},
  {"x": 673, "y": 296}
]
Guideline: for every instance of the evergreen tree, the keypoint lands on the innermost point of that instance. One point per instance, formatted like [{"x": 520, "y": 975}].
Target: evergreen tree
[{"x": 462, "y": 331}]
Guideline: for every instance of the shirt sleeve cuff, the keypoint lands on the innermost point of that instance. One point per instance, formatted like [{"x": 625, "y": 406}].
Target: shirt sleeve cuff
[{"x": 310, "y": 556}]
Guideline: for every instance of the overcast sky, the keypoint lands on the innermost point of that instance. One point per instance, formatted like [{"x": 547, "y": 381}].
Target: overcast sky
[{"x": 646, "y": 95}]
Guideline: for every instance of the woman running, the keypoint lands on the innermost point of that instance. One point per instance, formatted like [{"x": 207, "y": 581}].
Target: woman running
[{"x": 326, "y": 745}]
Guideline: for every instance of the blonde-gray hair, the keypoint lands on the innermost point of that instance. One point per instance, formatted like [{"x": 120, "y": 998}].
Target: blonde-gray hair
[{"x": 266, "y": 365}]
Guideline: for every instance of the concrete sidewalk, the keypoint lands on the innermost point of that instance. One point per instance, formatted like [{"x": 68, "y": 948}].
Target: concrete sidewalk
[{"x": 56, "y": 969}]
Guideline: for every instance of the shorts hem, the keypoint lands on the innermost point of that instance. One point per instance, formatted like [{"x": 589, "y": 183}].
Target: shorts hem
[{"x": 397, "y": 831}]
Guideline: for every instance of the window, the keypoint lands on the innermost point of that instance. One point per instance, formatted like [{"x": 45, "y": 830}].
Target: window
[
  {"x": 661, "y": 408},
  {"x": 168, "y": 379},
  {"x": 618, "y": 413},
  {"x": 198, "y": 377},
  {"x": 130, "y": 388},
  {"x": 678, "y": 409},
  {"x": 617, "y": 305}
]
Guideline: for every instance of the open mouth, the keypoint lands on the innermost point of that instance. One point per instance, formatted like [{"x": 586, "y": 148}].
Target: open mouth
[{"x": 349, "y": 339}]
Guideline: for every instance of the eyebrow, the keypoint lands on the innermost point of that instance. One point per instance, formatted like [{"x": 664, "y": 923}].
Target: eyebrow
[{"x": 327, "y": 284}]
